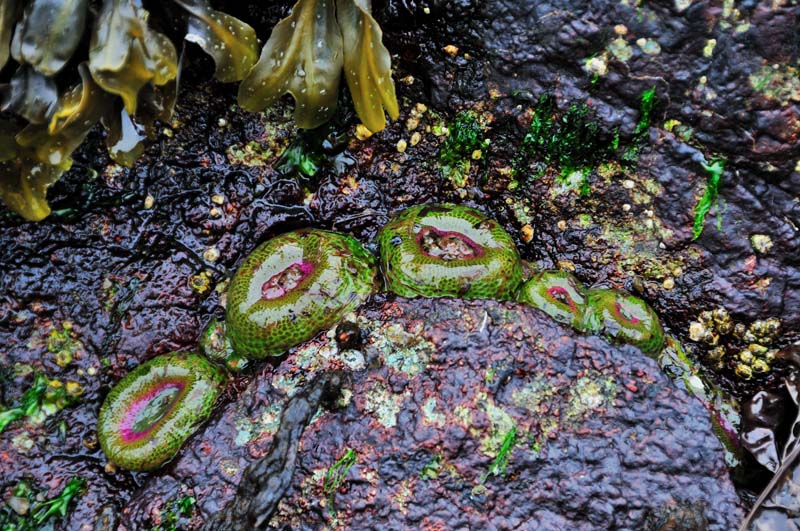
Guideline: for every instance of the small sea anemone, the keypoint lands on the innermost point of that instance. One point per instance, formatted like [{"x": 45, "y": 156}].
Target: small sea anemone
[
  {"x": 150, "y": 413},
  {"x": 624, "y": 318},
  {"x": 557, "y": 293},
  {"x": 292, "y": 287},
  {"x": 448, "y": 251}
]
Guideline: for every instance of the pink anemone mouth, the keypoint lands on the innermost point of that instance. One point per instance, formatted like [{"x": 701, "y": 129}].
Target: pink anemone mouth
[
  {"x": 622, "y": 313},
  {"x": 559, "y": 294},
  {"x": 282, "y": 283}
]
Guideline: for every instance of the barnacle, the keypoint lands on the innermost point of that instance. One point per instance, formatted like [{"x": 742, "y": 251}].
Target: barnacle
[
  {"x": 127, "y": 58},
  {"x": 304, "y": 57},
  {"x": 148, "y": 415},
  {"x": 292, "y": 287}
]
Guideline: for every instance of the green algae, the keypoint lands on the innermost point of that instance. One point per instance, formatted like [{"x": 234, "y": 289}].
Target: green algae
[
  {"x": 42, "y": 513},
  {"x": 498, "y": 466},
  {"x": 714, "y": 171},
  {"x": 448, "y": 251},
  {"x": 457, "y": 153},
  {"x": 45, "y": 397},
  {"x": 336, "y": 475},
  {"x": 292, "y": 287},
  {"x": 150, "y": 413}
]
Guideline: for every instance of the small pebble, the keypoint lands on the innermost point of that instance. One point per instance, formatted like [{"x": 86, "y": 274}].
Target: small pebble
[
  {"x": 527, "y": 233},
  {"x": 451, "y": 50},
  {"x": 669, "y": 283},
  {"x": 562, "y": 225},
  {"x": 218, "y": 199},
  {"x": 415, "y": 139},
  {"x": 149, "y": 201},
  {"x": 222, "y": 122},
  {"x": 211, "y": 254},
  {"x": 401, "y": 146}
]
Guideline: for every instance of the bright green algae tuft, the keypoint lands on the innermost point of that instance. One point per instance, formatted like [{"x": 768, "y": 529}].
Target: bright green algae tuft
[
  {"x": 448, "y": 251},
  {"x": 624, "y": 318},
  {"x": 292, "y": 287},
  {"x": 148, "y": 415},
  {"x": 558, "y": 294}
]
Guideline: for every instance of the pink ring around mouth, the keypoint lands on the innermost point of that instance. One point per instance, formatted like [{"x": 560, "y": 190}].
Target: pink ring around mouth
[
  {"x": 558, "y": 290},
  {"x": 127, "y": 430}
]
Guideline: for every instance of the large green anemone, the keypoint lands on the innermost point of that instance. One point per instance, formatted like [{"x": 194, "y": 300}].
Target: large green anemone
[
  {"x": 624, "y": 318},
  {"x": 448, "y": 251},
  {"x": 148, "y": 415},
  {"x": 292, "y": 287},
  {"x": 557, "y": 293}
]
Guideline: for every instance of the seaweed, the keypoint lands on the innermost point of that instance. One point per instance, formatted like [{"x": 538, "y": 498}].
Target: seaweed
[
  {"x": 304, "y": 57},
  {"x": 336, "y": 475},
  {"x": 45, "y": 397},
  {"x": 8, "y": 15},
  {"x": 229, "y": 41},
  {"x": 132, "y": 63},
  {"x": 49, "y": 33},
  {"x": 125, "y": 54},
  {"x": 464, "y": 139},
  {"x": 367, "y": 65},
  {"x": 714, "y": 170},
  {"x": 39, "y": 513}
]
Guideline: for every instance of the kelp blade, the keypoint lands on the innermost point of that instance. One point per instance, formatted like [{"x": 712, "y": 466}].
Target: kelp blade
[
  {"x": 367, "y": 64},
  {"x": 49, "y": 33},
  {"x": 125, "y": 54},
  {"x": 8, "y": 18},
  {"x": 303, "y": 57},
  {"x": 229, "y": 41}
]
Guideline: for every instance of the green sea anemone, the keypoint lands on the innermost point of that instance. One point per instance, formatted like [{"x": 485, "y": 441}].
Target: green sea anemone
[
  {"x": 292, "y": 287},
  {"x": 448, "y": 251},
  {"x": 557, "y": 293},
  {"x": 624, "y": 318},
  {"x": 150, "y": 413}
]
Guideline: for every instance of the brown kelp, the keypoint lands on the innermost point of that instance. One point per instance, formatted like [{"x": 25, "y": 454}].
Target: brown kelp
[
  {"x": 126, "y": 83},
  {"x": 304, "y": 57},
  {"x": 130, "y": 59}
]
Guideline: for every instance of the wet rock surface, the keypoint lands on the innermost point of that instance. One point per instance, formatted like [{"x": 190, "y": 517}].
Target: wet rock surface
[
  {"x": 601, "y": 438},
  {"x": 133, "y": 262}
]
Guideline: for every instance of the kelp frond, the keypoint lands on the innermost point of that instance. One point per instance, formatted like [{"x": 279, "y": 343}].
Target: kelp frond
[
  {"x": 367, "y": 64},
  {"x": 125, "y": 54},
  {"x": 229, "y": 41},
  {"x": 130, "y": 78},
  {"x": 303, "y": 57},
  {"x": 49, "y": 33}
]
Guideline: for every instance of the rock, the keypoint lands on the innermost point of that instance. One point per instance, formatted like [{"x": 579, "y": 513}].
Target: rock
[{"x": 596, "y": 436}]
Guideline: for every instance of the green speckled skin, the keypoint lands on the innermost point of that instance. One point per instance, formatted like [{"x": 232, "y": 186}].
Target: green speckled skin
[
  {"x": 200, "y": 382},
  {"x": 410, "y": 272},
  {"x": 343, "y": 276},
  {"x": 558, "y": 294},
  {"x": 625, "y": 318}
]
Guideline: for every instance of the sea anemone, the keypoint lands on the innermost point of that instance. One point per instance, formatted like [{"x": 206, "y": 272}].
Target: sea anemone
[
  {"x": 292, "y": 287},
  {"x": 448, "y": 251},
  {"x": 150, "y": 413}
]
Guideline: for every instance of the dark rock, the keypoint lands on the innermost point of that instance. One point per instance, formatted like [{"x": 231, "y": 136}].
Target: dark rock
[{"x": 602, "y": 439}]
